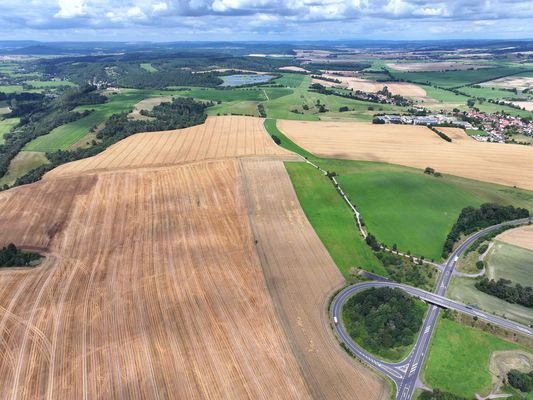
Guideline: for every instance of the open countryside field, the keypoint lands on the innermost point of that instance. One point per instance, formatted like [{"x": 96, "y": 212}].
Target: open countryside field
[
  {"x": 300, "y": 274},
  {"x": 464, "y": 290},
  {"x": 512, "y": 82},
  {"x": 403, "y": 89},
  {"x": 459, "y": 358},
  {"x": 417, "y": 147},
  {"x": 434, "y": 66},
  {"x": 6, "y": 125},
  {"x": 510, "y": 262},
  {"x": 232, "y": 286},
  {"x": 219, "y": 137},
  {"x": 66, "y": 135},
  {"x": 398, "y": 203},
  {"x": 332, "y": 220},
  {"x": 521, "y": 237},
  {"x": 23, "y": 163}
]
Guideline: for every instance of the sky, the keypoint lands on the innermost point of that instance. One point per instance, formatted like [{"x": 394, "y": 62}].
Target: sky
[{"x": 233, "y": 20}]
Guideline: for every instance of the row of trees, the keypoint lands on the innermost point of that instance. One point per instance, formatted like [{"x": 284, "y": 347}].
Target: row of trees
[
  {"x": 504, "y": 290},
  {"x": 41, "y": 114},
  {"x": 472, "y": 219},
  {"x": 10, "y": 256}
]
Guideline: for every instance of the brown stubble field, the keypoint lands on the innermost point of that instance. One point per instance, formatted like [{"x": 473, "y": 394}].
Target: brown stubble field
[
  {"x": 160, "y": 282},
  {"x": 300, "y": 274},
  {"x": 521, "y": 237},
  {"x": 418, "y": 147},
  {"x": 366, "y": 85}
]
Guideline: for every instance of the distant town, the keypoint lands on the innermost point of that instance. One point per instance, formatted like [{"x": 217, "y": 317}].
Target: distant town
[{"x": 481, "y": 126}]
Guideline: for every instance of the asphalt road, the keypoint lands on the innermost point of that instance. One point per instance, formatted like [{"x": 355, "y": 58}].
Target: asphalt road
[{"x": 406, "y": 373}]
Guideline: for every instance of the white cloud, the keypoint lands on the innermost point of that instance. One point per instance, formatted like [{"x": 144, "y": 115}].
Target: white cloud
[{"x": 70, "y": 8}]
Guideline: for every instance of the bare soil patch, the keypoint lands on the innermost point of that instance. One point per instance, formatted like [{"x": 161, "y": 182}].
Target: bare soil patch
[
  {"x": 293, "y": 69},
  {"x": 501, "y": 362},
  {"x": 434, "y": 66},
  {"x": 512, "y": 82},
  {"x": 521, "y": 237},
  {"x": 418, "y": 147},
  {"x": 365, "y": 85}
]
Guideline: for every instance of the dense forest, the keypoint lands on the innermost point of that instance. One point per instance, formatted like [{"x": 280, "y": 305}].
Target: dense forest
[
  {"x": 383, "y": 320},
  {"x": 473, "y": 219},
  {"x": 169, "y": 69},
  {"x": 180, "y": 113},
  {"x": 520, "y": 380},
  {"x": 10, "y": 256},
  {"x": 41, "y": 114},
  {"x": 503, "y": 289}
]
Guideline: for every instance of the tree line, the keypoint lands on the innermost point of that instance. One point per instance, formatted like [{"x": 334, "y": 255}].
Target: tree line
[
  {"x": 180, "y": 113},
  {"x": 41, "y": 114},
  {"x": 473, "y": 219},
  {"x": 11, "y": 256},
  {"x": 503, "y": 289}
]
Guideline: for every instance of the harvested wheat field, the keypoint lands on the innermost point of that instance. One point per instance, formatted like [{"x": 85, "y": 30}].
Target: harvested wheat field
[
  {"x": 219, "y": 137},
  {"x": 511, "y": 82},
  {"x": 365, "y": 85},
  {"x": 300, "y": 274},
  {"x": 434, "y": 66},
  {"x": 526, "y": 105},
  {"x": 418, "y": 147},
  {"x": 161, "y": 281},
  {"x": 521, "y": 237},
  {"x": 147, "y": 105}
]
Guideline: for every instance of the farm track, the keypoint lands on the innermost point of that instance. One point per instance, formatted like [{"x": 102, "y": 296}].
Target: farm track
[{"x": 153, "y": 285}]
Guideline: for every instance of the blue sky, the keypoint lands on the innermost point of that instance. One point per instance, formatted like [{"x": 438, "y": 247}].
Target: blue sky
[{"x": 175, "y": 20}]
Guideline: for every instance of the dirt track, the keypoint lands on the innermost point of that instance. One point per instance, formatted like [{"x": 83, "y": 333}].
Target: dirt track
[
  {"x": 418, "y": 147},
  {"x": 155, "y": 287}
]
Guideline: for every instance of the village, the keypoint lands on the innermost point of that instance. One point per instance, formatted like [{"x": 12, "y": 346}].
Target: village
[{"x": 492, "y": 127}]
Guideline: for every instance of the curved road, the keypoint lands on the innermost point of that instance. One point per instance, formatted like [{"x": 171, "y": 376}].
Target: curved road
[{"x": 405, "y": 374}]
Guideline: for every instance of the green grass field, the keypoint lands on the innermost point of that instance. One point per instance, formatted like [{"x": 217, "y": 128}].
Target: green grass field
[
  {"x": 284, "y": 107},
  {"x": 148, "y": 67},
  {"x": 10, "y": 88},
  {"x": 23, "y": 163},
  {"x": 404, "y": 206},
  {"x": 444, "y": 96},
  {"x": 332, "y": 220},
  {"x": 6, "y": 125},
  {"x": 458, "y": 359},
  {"x": 488, "y": 92},
  {"x": 66, "y": 135},
  {"x": 463, "y": 289},
  {"x": 510, "y": 262},
  {"x": 49, "y": 84},
  {"x": 493, "y": 108}
]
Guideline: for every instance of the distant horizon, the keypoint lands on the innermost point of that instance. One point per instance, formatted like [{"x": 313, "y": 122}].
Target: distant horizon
[{"x": 265, "y": 20}]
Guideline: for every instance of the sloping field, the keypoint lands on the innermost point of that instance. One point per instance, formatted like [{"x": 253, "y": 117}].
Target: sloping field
[
  {"x": 219, "y": 137},
  {"x": 365, "y": 85},
  {"x": 512, "y": 82},
  {"x": 521, "y": 237},
  {"x": 158, "y": 285},
  {"x": 300, "y": 274},
  {"x": 418, "y": 147},
  {"x": 157, "y": 292}
]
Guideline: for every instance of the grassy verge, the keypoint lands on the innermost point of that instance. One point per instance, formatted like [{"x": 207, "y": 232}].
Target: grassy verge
[
  {"x": 6, "y": 125},
  {"x": 510, "y": 262},
  {"x": 332, "y": 220},
  {"x": 458, "y": 360}
]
